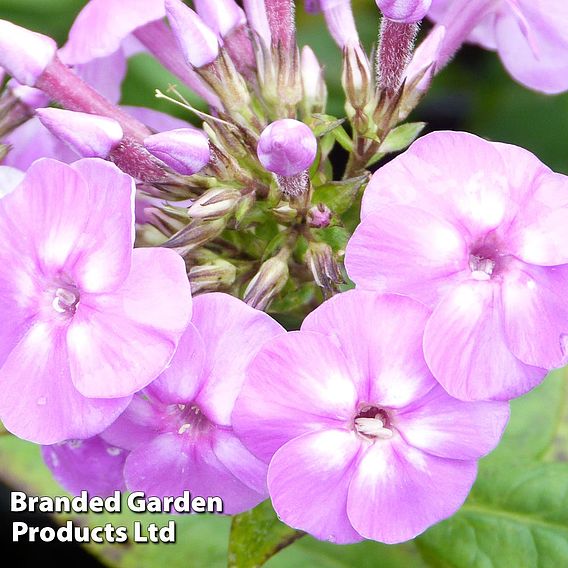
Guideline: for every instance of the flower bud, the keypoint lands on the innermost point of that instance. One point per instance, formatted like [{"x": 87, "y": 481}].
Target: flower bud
[
  {"x": 268, "y": 282},
  {"x": 196, "y": 234},
  {"x": 197, "y": 41},
  {"x": 214, "y": 203},
  {"x": 340, "y": 21},
  {"x": 356, "y": 78},
  {"x": 24, "y": 54},
  {"x": 186, "y": 150},
  {"x": 319, "y": 216},
  {"x": 258, "y": 20},
  {"x": 32, "y": 98},
  {"x": 222, "y": 16},
  {"x": 313, "y": 84},
  {"x": 280, "y": 15},
  {"x": 404, "y": 11},
  {"x": 324, "y": 268},
  {"x": 287, "y": 147},
  {"x": 89, "y": 135},
  {"x": 218, "y": 275},
  {"x": 284, "y": 213}
]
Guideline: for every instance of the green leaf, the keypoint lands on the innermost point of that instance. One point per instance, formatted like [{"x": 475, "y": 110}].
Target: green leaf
[
  {"x": 340, "y": 195},
  {"x": 322, "y": 124},
  {"x": 514, "y": 517},
  {"x": 201, "y": 539},
  {"x": 401, "y": 137},
  {"x": 335, "y": 237},
  {"x": 257, "y": 535},
  {"x": 532, "y": 431}
]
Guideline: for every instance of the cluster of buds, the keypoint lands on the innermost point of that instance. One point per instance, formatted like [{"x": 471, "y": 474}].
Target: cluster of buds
[{"x": 248, "y": 198}]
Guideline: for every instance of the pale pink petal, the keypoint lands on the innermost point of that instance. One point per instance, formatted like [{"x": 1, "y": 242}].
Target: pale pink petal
[
  {"x": 536, "y": 314},
  {"x": 381, "y": 338},
  {"x": 308, "y": 481},
  {"x": 299, "y": 382},
  {"x": 173, "y": 463},
  {"x": 406, "y": 250},
  {"x": 183, "y": 377},
  {"x": 533, "y": 44},
  {"x": 448, "y": 428},
  {"x": 38, "y": 401},
  {"x": 120, "y": 342},
  {"x": 233, "y": 333},
  {"x": 143, "y": 420},
  {"x": 87, "y": 465},
  {"x": 466, "y": 349},
  {"x": 540, "y": 229},
  {"x": 469, "y": 191},
  {"x": 10, "y": 178},
  {"x": 103, "y": 250},
  {"x": 397, "y": 491},
  {"x": 103, "y": 25}
]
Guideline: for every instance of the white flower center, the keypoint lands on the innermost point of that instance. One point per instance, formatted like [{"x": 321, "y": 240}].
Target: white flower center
[
  {"x": 373, "y": 422},
  {"x": 65, "y": 300},
  {"x": 481, "y": 268}
]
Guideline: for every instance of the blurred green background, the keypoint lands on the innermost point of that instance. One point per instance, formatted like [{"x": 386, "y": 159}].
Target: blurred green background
[{"x": 474, "y": 93}]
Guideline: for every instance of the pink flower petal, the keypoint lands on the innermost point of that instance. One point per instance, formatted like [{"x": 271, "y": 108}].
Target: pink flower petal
[
  {"x": 406, "y": 250},
  {"x": 120, "y": 342},
  {"x": 102, "y": 25},
  {"x": 465, "y": 346},
  {"x": 397, "y": 491},
  {"x": 232, "y": 332},
  {"x": 86, "y": 465},
  {"x": 448, "y": 428},
  {"x": 299, "y": 382},
  {"x": 533, "y": 44},
  {"x": 172, "y": 463},
  {"x": 38, "y": 401},
  {"x": 308, "y": 480},
  {"x": 140, "y": 422},
  {"x": 183, "y": 377},
  {"x": 534, "y": 298},
  {"x": 104, "y": 248},
  {"x": 381, "y": 338}
]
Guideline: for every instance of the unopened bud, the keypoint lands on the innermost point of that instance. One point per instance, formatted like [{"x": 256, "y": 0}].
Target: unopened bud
[
  {"x": 258, "y": 20},
  {"x": 214, "y": 203},
  {"x": 196, "y": 234},
  {"x": 222, "y": 16},
  {"x": 340, "y": 21},
  {"x": 285, "y": 213},
  {"x": 287, "y": 147},
  {"x": 89, "y": 135},
  {"x": 404, "y": 11},
  {"x": 280, "y": 15},
  {"x": 268, "y": 282},
  {"x": 313, "y": 84},
  {"x": 319, "y": 216},
  {"x": 186, "y": 150},
  {"x": 24, "y": 54},
  {"x": 324, "y": 268},
  {"x": 31, "y": 97},
  {"x": 356, "y": 78},
  {"x": 218, "y": 275},
  {"x": 197, "y": 41}
]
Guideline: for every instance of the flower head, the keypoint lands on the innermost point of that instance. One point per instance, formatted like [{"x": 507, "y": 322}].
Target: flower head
[
  {"x": 177, "y": 432},
  {"x": 404, "y": 11},
  {"x": 362, "y": 441},
  {"x": 85, "y": 322},
  {"x": 473, "y": 229}
]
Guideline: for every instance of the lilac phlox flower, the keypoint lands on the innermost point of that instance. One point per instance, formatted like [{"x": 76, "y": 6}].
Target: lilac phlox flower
[
  {"x": 478, "y": 231},
  {"x": 178, "y": 430},
  {"x": 361, "y": 439},
  {"x": 530, "y": 37},
  {"x": 404, "y": 11},
  {"x": 86, "y": 321}
]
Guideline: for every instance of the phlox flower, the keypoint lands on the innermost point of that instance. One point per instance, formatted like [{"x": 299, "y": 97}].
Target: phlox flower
[
  {"x": 362, "y": 441},
  {"x": 177, "y": 434},
  {"x": 477, "y": 231},
  {"x": 530, "y": 37},
  {"x": 86, "y": 321}
]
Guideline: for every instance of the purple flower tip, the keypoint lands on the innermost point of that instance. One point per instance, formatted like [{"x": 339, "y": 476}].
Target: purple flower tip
[
  {"x": 404, "y": 11},
  {"x": 287, "y": 147},
  {"x": 91, "y": 136},
  {"x": 186, "y": 150},
  {"x": 197, "y": 41},
  {"x": 222, "y": 16},
  {"x": 24, "y": 54}
]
